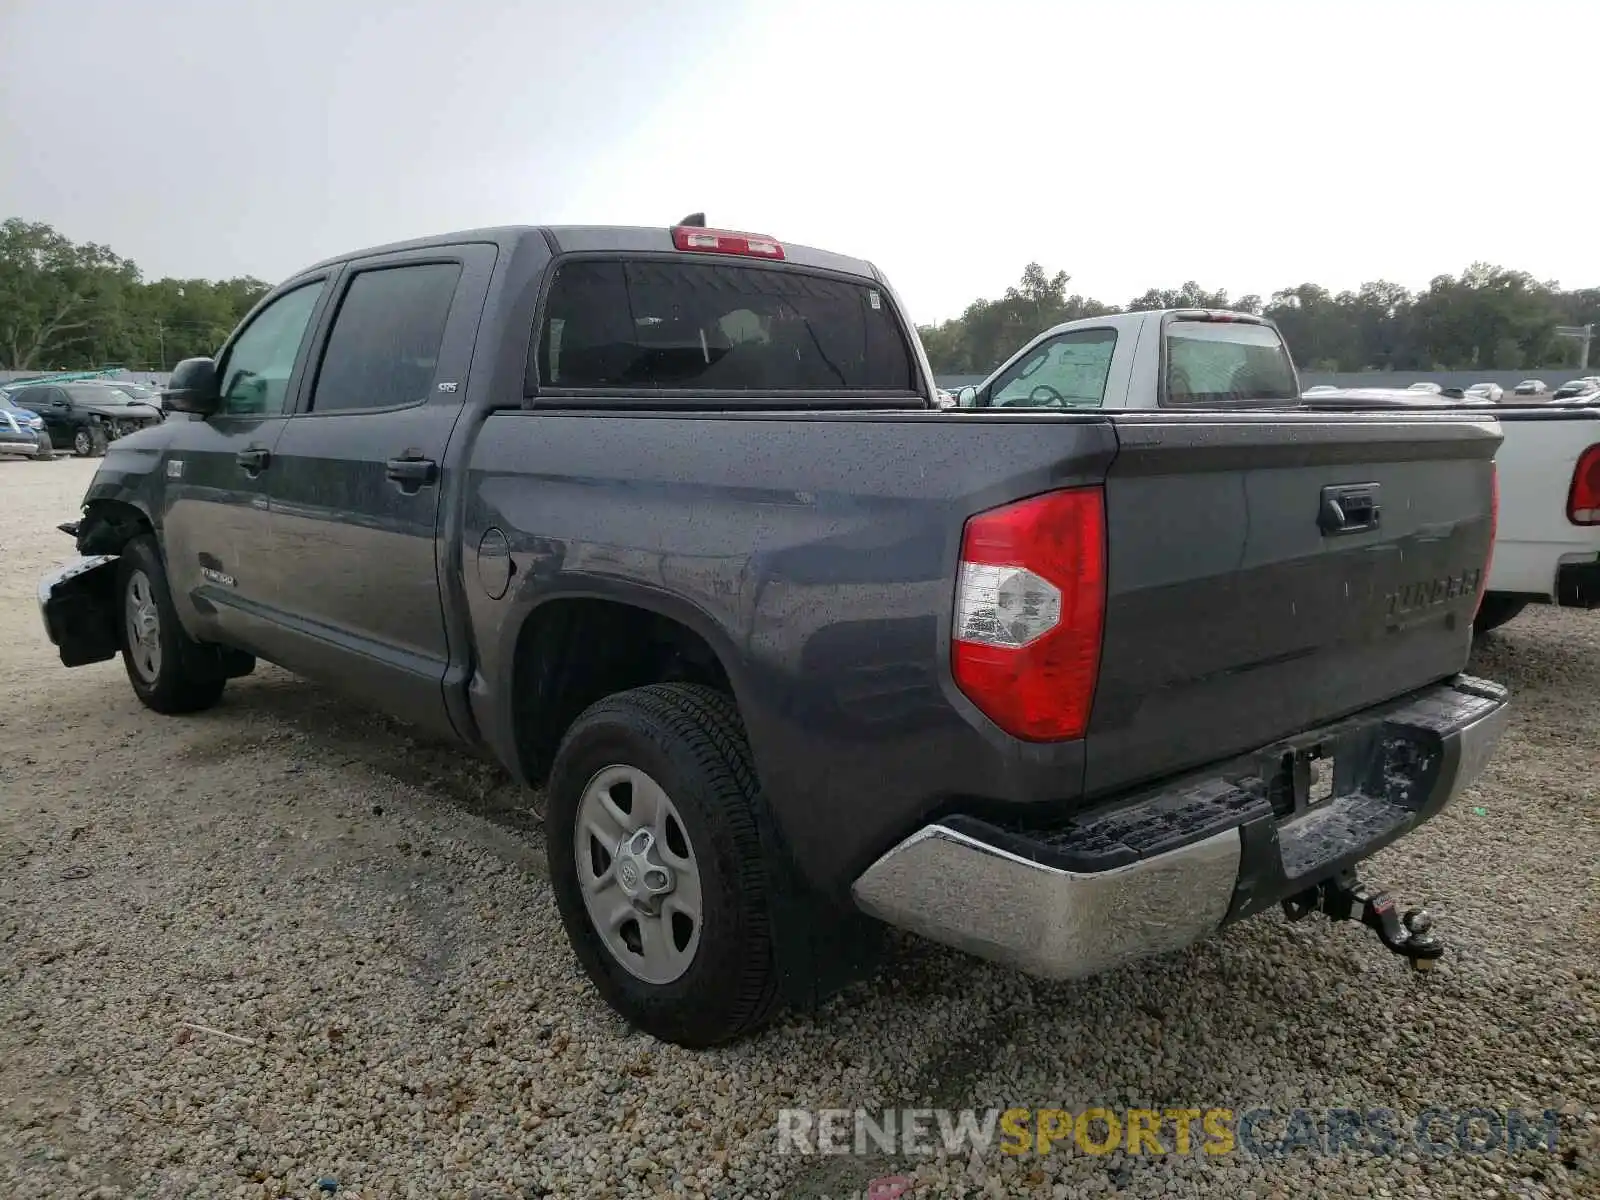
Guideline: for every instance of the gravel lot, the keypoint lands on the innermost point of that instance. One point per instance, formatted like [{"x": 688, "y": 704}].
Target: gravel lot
[{"x": 367, "y": 911}]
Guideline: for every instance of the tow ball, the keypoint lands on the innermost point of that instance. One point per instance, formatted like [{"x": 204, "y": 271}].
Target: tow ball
[{"x": 1346, "y": 898}]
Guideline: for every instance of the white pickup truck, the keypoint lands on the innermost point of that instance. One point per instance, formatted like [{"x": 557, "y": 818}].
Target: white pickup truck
[{"x": 1547, "y": 545}]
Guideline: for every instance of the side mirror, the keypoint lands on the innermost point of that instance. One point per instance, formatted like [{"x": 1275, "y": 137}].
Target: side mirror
[
  {"x": 967, "y": 397},
  {"x": 193, "y": 387}
]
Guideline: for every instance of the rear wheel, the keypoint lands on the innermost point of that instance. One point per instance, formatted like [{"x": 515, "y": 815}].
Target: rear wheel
[
  {"x": 657, "y": 866},
  {"x": 1495, "y": 611},
  {"x": 169, "y": 671}
]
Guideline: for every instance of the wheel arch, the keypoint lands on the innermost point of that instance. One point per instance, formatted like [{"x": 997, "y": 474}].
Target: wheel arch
[
  {"x": 574, "y": 648},
  {"x": 111, "y": 519}
]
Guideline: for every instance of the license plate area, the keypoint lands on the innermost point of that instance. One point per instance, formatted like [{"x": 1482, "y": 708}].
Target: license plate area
[
  {"x": 1319, "y": 778},
  {"x": 1305, "y": 777}
]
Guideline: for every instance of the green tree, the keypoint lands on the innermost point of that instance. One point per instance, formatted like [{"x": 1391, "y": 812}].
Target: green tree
[
  {"x": 990, "y": 331},
  {"x": 1190, "y": 295},
  {"x": 73, "y": 306},
  {"x": 1468, "y": 322},
  {"x": 55, "y": 295}
]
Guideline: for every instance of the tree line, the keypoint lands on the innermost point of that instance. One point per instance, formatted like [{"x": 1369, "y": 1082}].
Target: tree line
[
  {"x": 1488, "y": 317},
  {"x": 76, "y": 306}
]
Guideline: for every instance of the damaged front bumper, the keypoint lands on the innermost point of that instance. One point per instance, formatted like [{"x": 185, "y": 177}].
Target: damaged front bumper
[
  {"x": 78, "y": 605},
  {"x": 1163, "y": 869}
]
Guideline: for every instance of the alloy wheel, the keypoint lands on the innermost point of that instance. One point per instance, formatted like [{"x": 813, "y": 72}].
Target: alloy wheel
[
  {"x": 638, "y": 873},
  {"x": 144, "y": 627}
]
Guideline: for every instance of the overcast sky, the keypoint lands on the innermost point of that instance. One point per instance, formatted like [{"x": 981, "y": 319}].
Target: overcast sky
[{"x": 1131, "y": 143}]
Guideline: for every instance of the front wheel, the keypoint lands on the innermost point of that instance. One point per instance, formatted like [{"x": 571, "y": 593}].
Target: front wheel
[
  {"x": 169, "y": 671},
  {"x": 82, "y": 442},
  {"x": 657, "y": 866}
]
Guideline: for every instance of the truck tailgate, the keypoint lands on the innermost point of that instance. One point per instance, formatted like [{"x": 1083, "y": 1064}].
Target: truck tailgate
[{"x": 1271, "y": 571}]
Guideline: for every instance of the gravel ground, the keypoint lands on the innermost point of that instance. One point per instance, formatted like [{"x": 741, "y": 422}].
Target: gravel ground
[{"x": 367, "y": 912}]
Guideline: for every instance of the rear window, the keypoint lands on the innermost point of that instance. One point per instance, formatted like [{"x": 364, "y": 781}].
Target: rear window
[
  {"x": 713, "y": 327},
  {"x": 1211, "y": 363}
]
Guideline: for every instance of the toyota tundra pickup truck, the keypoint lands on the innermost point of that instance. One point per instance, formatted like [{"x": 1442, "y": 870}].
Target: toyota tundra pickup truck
[
  {"x": 670, "y": 522},
  {"x": 1547, "y": 546}
]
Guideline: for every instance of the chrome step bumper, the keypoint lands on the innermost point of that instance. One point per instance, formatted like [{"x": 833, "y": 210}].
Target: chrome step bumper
[{"x": 1008, "y": 897}]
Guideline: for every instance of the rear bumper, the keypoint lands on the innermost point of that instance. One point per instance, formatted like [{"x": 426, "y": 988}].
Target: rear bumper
[
  {"x": 1163, "y": 869},
  {"x": 32, "y": 443}
]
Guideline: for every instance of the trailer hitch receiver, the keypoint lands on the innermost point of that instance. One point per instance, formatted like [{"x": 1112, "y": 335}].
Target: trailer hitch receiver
[{"x": 1345, "y": 898}]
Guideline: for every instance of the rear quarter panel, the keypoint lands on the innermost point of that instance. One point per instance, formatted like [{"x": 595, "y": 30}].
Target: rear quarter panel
[{"x": 816, "y": 554}]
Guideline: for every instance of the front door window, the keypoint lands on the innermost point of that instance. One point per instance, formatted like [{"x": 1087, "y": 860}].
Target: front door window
[{"x": 256, "y": 368}]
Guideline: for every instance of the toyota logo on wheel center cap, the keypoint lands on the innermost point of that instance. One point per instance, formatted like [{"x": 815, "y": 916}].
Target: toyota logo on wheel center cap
[{"x": 628, "y": 873}]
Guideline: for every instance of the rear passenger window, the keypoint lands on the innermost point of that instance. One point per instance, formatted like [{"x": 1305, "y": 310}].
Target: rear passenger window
[
  {"x": 646, "y": 324},
  {"x": 384, "y": 345}
]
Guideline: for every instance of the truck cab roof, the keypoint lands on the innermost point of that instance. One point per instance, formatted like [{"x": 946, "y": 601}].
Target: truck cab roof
[
  {"x": 598, "y": 239},
  {"x": 1124, "y": 322}
]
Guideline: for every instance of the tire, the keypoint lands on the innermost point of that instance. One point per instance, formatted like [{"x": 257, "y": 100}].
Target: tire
[
  {"x": 688, "y": 740},
  {"x": 1495, "y": 611},
  {"x": 180, "y": 676},
  {"x": 82, "y": 442}
]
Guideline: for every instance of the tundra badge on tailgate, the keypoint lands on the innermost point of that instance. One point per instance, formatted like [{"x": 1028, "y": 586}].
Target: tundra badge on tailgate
[{"x": 1430, "y": 593}]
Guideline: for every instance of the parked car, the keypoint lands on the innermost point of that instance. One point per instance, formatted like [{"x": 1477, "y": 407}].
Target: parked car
[
  {"x": 1491, "y": 393},
  {"x": 22, "y": 432},
  {"x": 793, "y": 650},
  {"x": 85, "y": 417},
  {"x": 1574, "y": 388},
  {"x": 138, "y": 392},
  {"x": 1423, "y": 385},
  {"x": 1531, "y": 387}
]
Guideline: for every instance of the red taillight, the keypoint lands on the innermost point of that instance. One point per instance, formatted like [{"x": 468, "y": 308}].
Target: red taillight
[
  {"x": 721, "y": 241},
  {"x": 1583, "y": 498},
  {"x": 1494, "y": 532},
  {"x": 1030, "y": 612}
]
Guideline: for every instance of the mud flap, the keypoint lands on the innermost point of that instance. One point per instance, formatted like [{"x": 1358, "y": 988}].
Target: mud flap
[{"x": 79, "y": 607}]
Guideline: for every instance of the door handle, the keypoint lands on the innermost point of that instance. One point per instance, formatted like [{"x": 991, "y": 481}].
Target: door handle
[
  {"x": 412, "y": 473},
  {"x": 254, "y": 460},
  {"x": 1349, "y": 508}
]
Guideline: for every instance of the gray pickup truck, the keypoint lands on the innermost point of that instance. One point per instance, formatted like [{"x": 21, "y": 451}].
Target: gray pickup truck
[{"x": 670, "y": 523}]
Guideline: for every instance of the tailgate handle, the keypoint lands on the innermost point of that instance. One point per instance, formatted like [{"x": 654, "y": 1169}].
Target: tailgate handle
[{"x": 1349, "y": 508}]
